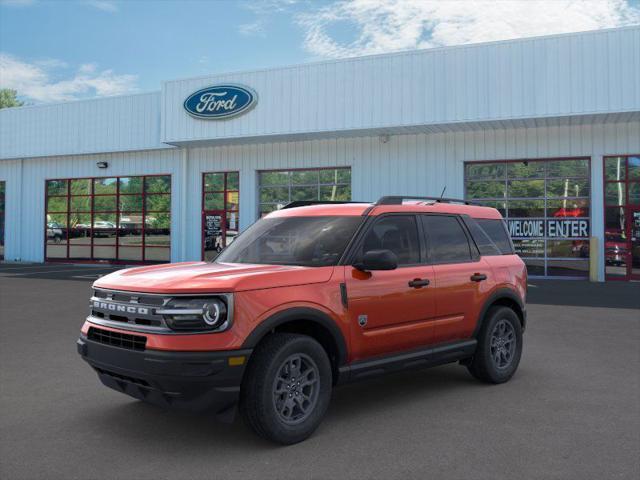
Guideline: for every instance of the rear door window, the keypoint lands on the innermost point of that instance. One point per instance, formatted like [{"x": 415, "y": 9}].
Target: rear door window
[{"x": 446, "y": 239}]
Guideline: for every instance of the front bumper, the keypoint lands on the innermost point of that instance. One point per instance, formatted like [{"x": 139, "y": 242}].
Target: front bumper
[{"x": 194, "y": 381}]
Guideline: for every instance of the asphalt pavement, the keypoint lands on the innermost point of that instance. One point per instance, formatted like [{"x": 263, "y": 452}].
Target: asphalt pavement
[{"x": 571, "y": 411}]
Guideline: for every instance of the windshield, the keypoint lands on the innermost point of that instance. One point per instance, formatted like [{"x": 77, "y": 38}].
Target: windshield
[{"x": 303, "y": 241}]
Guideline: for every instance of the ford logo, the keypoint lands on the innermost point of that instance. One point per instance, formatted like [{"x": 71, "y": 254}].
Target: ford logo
[{"x": 220, "y": 101}]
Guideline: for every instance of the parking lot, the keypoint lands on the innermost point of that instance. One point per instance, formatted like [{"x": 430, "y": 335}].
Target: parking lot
[{"x": 571, "y": 411}]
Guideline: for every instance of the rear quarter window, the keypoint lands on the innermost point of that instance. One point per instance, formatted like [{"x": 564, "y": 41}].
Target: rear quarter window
[{"x": 496, "y": 232}]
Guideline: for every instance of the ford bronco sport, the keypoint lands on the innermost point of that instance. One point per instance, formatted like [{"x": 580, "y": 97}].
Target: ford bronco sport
[{"x": 309, "y": 297}]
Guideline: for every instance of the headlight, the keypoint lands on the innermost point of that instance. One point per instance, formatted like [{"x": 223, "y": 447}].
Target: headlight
[{"x": 205, "y": 314}]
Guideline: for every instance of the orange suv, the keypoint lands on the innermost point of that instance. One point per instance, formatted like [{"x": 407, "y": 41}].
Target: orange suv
[{"x": 309, "y": 297}]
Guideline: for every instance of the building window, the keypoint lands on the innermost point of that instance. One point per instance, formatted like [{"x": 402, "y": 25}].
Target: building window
[
  {"x": 622, "y": 217},
  {"x": 279, "y": 187},
  {"x": 116, "y": 219},
  {"x": 220, "y": 211},
  {"x": 2, "y": 210},
  {"x": 546, "y": 204}
]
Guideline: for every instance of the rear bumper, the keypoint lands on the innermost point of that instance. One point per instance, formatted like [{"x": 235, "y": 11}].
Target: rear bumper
[{"x": 194, "y": 381}]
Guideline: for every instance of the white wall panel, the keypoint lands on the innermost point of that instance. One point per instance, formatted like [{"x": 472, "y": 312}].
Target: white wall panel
[
  {"x": 546, "y": 77},
  {"x": 415, "y": 164},
  {"x": 25, "y": 201},
  {"x": 111, "y": 124},
  {"x": 419, "y": 164},
  {"x": 11, "y": 174}
]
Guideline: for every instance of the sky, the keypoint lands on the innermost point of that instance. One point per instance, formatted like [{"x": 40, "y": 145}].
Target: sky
[{"x": 59, "y": 50}]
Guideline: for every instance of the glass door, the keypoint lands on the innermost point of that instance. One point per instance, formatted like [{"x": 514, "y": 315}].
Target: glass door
[
  {"x": 220, "y": 212},
  {"x": 622, "y": 217},
  {"x": 214, "y": 233},
  {"x": 634, "y": 243}
]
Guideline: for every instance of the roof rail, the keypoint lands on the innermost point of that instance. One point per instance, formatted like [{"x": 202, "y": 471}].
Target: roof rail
[
  {"x": 307, "y": 203},
  {"x": 398, "y": 200}
]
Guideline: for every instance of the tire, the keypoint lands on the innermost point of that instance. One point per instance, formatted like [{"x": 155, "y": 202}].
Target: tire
[
  {"x": 496, "y": 359},
  {"x": 268, "y": 401}
]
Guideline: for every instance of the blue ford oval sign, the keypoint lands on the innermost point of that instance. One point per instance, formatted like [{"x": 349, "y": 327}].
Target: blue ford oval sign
[{"x": 220, "y": 101}]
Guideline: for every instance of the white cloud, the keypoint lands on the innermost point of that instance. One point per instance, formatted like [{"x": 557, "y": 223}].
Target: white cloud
[
  {"x": 390, "y": 25},
  {"x": 104, "y": 5},
  {"x": 252, "y": 29},
  {"x": 51, "y": 63},
  {"x": 269, "y": 6},
  {"x": 36, "y": 81}
]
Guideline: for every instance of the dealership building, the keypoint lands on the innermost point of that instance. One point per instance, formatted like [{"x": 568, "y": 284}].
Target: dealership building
[{"x": 545, "y": 129}]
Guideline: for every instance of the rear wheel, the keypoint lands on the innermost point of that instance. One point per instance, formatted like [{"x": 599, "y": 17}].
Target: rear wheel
[
  {"x": 499, "y": 346},
  {"x": 287, "y": 388}
]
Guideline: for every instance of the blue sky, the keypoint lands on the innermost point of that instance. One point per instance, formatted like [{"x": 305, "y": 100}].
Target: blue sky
[{"x": 63, "y": 50}]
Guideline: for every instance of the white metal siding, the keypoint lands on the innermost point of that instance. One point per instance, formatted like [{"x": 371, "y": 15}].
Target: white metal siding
[
  {"x": 416, "y": 164},
  {"x": 11, "y": 174},
  {"x": 25, "y": 203},
  {"x": 90, "y": 126},
  {"x": 547, "y": 77},
  {"x": 419, "y": 164}
]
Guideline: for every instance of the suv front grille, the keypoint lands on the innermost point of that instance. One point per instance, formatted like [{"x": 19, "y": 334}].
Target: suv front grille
[
  {"x": 132, "y": 310},
  {"x": 117, "y": 339}
]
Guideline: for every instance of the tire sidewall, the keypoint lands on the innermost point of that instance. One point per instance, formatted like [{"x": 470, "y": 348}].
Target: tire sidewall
[
  {"x": 279, "y": 429},
  {"x": 501, "y": 375}
]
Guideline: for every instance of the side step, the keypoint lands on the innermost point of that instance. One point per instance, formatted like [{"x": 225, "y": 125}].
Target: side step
[{"x": 425, "y": 357}]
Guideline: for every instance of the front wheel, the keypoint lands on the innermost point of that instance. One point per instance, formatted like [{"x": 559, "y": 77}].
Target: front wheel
[
  {"x": 499, "y": 346},
  {"x": 287, "y": 388}
]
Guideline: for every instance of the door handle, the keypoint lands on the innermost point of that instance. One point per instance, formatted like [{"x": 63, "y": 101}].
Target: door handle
[
  {"x": 478, "y": 277},
  {"x": 418, "y": 282}
]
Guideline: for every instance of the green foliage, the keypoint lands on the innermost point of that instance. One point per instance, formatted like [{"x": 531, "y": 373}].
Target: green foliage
[{"x": 8, "y": 98}]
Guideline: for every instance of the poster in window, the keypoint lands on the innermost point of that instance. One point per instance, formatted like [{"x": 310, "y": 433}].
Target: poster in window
[{"x": 213, "y": 240}]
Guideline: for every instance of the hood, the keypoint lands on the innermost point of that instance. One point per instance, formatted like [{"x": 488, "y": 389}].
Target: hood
[{"x": 203, "y": 277}]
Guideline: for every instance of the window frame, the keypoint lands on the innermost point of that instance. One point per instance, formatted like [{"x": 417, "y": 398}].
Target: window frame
[
  {"x": 474, "y": 252},
  {"x": 546, "y": 176},
  {"x": 289, "y": 185},
  {"x": 225, "y": 208},
  {"x": 3, "y": 216},
  {"x": 117, "y": 212},
  {"x": 467, "y": 219},
  {"x": 352, "y": 249},
  {"x": 627, "y": 206}
]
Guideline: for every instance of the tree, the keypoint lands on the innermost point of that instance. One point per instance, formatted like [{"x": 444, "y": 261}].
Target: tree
[{"x": 8, "y": 98}]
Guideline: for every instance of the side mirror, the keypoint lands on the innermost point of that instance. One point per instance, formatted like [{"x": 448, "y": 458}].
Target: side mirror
[{"x": 377, "y": 260}]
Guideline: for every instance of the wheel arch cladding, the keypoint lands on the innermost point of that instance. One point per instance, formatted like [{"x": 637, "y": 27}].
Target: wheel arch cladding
[
  {"x": 506, "y": 298},
  {"x": 306, "y": 321}
]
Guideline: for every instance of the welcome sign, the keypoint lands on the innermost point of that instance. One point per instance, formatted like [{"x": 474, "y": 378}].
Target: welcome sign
[
  {"x": 219, "y": 102},
  {"x": 552, "y": 228}
]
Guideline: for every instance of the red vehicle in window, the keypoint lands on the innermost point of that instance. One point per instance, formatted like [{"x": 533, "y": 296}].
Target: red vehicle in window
[{"x": 309, "y": 297}]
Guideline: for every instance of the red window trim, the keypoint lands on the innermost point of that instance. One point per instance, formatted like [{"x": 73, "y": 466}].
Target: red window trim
[
  {"x": 626, "y": 205},
  {"x": 545, "y": 258},
  {"x": 143, "y": 246},
  {"x": 225, "y": 208}
]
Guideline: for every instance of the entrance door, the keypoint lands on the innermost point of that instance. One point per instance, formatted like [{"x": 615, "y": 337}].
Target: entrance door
[
  {"x": 634, "y": 243},
  {"x": 214, "y": 233},
  {"x": 220, "y": 211},
  {"x": 622, "y": 217}
]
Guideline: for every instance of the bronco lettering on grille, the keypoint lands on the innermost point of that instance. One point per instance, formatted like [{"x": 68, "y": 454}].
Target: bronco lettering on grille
[{"x": 114, "y": 307}]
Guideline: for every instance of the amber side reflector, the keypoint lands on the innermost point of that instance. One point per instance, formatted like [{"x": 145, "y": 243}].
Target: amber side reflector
[{"x": 236, "y": 361}]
